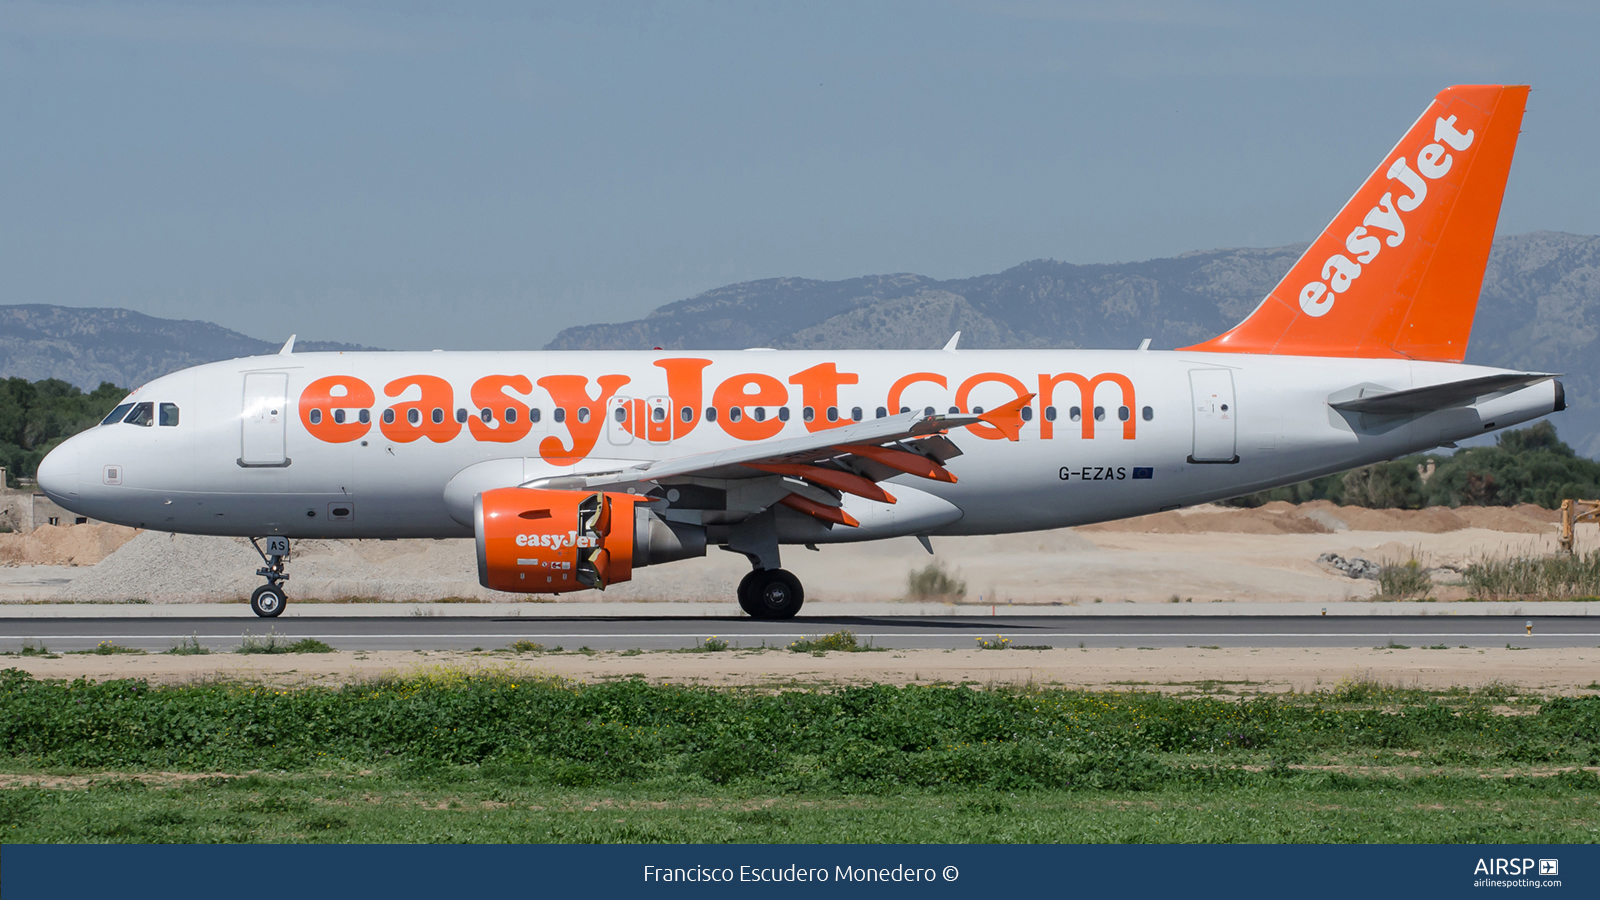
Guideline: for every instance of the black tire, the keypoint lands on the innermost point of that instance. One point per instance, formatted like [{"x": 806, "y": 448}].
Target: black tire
[
  {"x": 775, "y": 594},
  {"x": 268, "y": 601},
  {"x": 747, "y": 594}
]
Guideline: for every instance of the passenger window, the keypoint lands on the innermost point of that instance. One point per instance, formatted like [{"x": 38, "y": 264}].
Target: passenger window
[
  {"x": 315, "y": 417},
  {"x": 169, "y": 414},
  {"x": 388, "y": 416},
  {"x": 116, "y": 415},
  {"x": 882, "y": 412},
  {"x": 954, "y": 411},
  {"x": 783, "y": 414},
  {"x": 1122, "y": 413},
  {"x": 658, "y": 414},
  {"x": 927, "y": 411},
  {"x": 338, "y": 416},
  {"x": 143, "y": 414},
  {"x": 833, "y": 414},
  {"x": 511, "y": 415},
  {"x": 1049, "y": 413},
  {"x": 976, "y": 410},
  {"x": 414, "y": 416},
  {"x": 735, "y": 414},
  {"x": 1149, "y": 413},
  {"x": 486, "y": 414},
  {"x": 364, "y": 416},
  {"x": 560, "y": 415},
  {"x": 583, "y": 414},
  {"x": 855, "y": 413},
  {"x": 760, "y": 413},
  {"x": 620, "y": 414},
  {"x": 686, "y": 414},
  {"x": 1075, "y": 414},
  {"x": 1099, "y": 413},
  {"x": 438, "y": 415},
  {"x": 1027, "y": 414},
  {"x": 461, "y": 414},
  {"x": 533, "y": 415},
  {"x": 808, "y": 414},
  {"x": 711, "y": 414}
]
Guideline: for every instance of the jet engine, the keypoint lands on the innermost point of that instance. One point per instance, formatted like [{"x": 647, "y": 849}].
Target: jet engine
[{"x": 535, "y": 541}]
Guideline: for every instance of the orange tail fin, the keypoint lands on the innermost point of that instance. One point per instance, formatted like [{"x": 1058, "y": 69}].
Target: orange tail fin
[{"x": 1397, "y": 273}]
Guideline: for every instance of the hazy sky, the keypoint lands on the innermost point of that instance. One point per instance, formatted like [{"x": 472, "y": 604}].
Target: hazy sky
[{"x": 481, "y": 175}]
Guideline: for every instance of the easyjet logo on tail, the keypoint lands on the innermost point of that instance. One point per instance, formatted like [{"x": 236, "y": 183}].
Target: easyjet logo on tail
[{"x": 1340, "y": 271}]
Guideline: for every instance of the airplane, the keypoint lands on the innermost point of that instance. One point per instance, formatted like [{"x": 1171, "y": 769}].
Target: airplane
[{"x": 572, "y": 469}]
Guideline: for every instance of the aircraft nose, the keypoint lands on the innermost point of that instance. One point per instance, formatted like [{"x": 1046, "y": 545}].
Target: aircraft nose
[{"x": 58, "y": 472}]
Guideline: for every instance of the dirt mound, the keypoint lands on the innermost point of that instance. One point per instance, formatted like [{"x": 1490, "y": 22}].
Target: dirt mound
[
  {"x": 73, "y": 545},
  {"x": 1322, "y": 517},
  {"x": 1274, "y": 518}
]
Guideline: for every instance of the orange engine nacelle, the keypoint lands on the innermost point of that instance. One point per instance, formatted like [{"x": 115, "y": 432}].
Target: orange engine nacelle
[{"x": 550, "y": 542}]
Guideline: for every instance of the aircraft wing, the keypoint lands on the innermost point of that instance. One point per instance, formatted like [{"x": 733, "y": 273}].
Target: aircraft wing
[
  {"x": 812, "y": 471},
  {"x": 1435, "y": 397}
]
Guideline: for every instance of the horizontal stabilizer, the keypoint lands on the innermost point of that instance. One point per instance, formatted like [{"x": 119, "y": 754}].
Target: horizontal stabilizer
[{"x": 1438, "y": 396}]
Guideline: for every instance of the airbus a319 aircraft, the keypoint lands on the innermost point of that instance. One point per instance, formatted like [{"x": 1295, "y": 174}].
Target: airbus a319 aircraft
[{"x": 573, "y": 469}]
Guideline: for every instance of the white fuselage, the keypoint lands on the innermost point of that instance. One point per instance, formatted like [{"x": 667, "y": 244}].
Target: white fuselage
[{"x": 1276, "y": 428}]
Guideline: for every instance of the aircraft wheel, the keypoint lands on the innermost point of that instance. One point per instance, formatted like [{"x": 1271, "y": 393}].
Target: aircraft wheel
[
  {"x": 775, "y": 594},
  {"x": 268, "y": 601},
  {"x": 747, "y": 594}
]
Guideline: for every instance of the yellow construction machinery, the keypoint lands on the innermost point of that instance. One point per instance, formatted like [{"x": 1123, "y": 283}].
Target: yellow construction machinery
[{"x": 1573, "y": 512}]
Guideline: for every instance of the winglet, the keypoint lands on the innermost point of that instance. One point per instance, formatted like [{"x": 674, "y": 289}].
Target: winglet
[
  {"x": 288, "y": 346},
  {"x": 1008, "y": 418},
  {"x": 950, "y": 345}
]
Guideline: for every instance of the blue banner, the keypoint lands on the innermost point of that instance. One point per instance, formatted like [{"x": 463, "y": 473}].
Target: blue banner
[{"x": 1165, "y": 871}]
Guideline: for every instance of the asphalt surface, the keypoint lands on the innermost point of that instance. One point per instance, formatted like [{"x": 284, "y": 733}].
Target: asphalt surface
[{"x": 944, "y": 632}]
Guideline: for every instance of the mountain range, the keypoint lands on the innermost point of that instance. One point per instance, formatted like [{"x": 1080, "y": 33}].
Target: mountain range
[{"x": 1539, "y": 311}]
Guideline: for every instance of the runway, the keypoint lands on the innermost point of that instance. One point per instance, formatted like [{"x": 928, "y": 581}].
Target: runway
[{"x": 220, "y": 634}]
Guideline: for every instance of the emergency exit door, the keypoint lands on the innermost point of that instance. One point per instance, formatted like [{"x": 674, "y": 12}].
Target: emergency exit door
[
  {"x": 1214, "y": 416},
  {"x": 263, "y": 419}
]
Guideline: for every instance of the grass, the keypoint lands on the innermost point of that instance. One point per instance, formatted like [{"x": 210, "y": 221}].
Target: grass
[
  {"x": 276, "y": 643},
  {"x": 526, "y": 646},
  {"x": 1559, "y": 577},
  {"x": 109, "y": 648},
  {"x": 995, "y": 643},
  {"x": 840, "y": 641},
  {"x": 711, "y": 644},
  {"x": 189, "y": 646},
  {"x": 933, "y": 582},
  {"x": 1403, "y": 580},
  {"x": 505, "y": 755}
]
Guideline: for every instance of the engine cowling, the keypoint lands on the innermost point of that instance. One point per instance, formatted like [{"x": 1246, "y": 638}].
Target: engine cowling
[{"x": 535, "y": 541}]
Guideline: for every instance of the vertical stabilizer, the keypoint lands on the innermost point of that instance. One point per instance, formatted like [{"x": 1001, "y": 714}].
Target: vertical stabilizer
[{"x": 1397, "y": 273}]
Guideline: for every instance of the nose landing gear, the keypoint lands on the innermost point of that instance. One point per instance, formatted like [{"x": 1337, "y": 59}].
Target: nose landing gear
[{"x": 268, "y": 600}]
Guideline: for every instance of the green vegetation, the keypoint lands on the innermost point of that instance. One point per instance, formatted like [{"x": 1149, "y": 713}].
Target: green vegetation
[
  {"x": 109, "y": 648},
  {"x": 526, "y": 646},
  {"x": 932, "y": 582},
  {"x": 189, "y": 646},
  {"x": 1403, "y": 580},
  {"x": 1535, "y": 577},
  {"x": 36, "y": 416},
  {"x": 995, "y": 643},
  {"x": 711, "y": 644},
  {"x": 277, "y": 643},
  {"x": 841, "y": 641},
  {"x": 1527, "y": 465},
  {"x": 506, "y": 756}
]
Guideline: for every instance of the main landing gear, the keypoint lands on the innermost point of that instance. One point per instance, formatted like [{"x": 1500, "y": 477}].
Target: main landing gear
[
  {"x": 268, "y": 600},
  {"x": 771, "y": 594}
]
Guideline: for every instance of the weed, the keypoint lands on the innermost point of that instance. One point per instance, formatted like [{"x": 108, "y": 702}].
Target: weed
[
  {"x": 110, "y": 648},
  {"x": 1556, "y": 577},
  {"x": 843, "y": 641},
  {"x": 189, "y": 646},
  {"x": 1438, "y": 647},
  {"x": 1402, "y": 581},
  {"x": 29, "y": 648},
  {"x": 996, "y": 643},
  {"x": 1210, "y": 647},
  {"x": 633, "y": 652},
  {"x": 712, "y": 644},
  {"x": 933, "y": 582},
  {"x": 1392, "y": 646},
  {"x": 526, "y": 646},
  {"x": 273, "y": 642}
]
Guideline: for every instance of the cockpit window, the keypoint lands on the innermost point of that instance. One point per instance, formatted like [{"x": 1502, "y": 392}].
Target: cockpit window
[
  {"x": 169, "y": 414},
  {"x": 116, "y": 415},
  {"x": 143, "y": 414}
]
